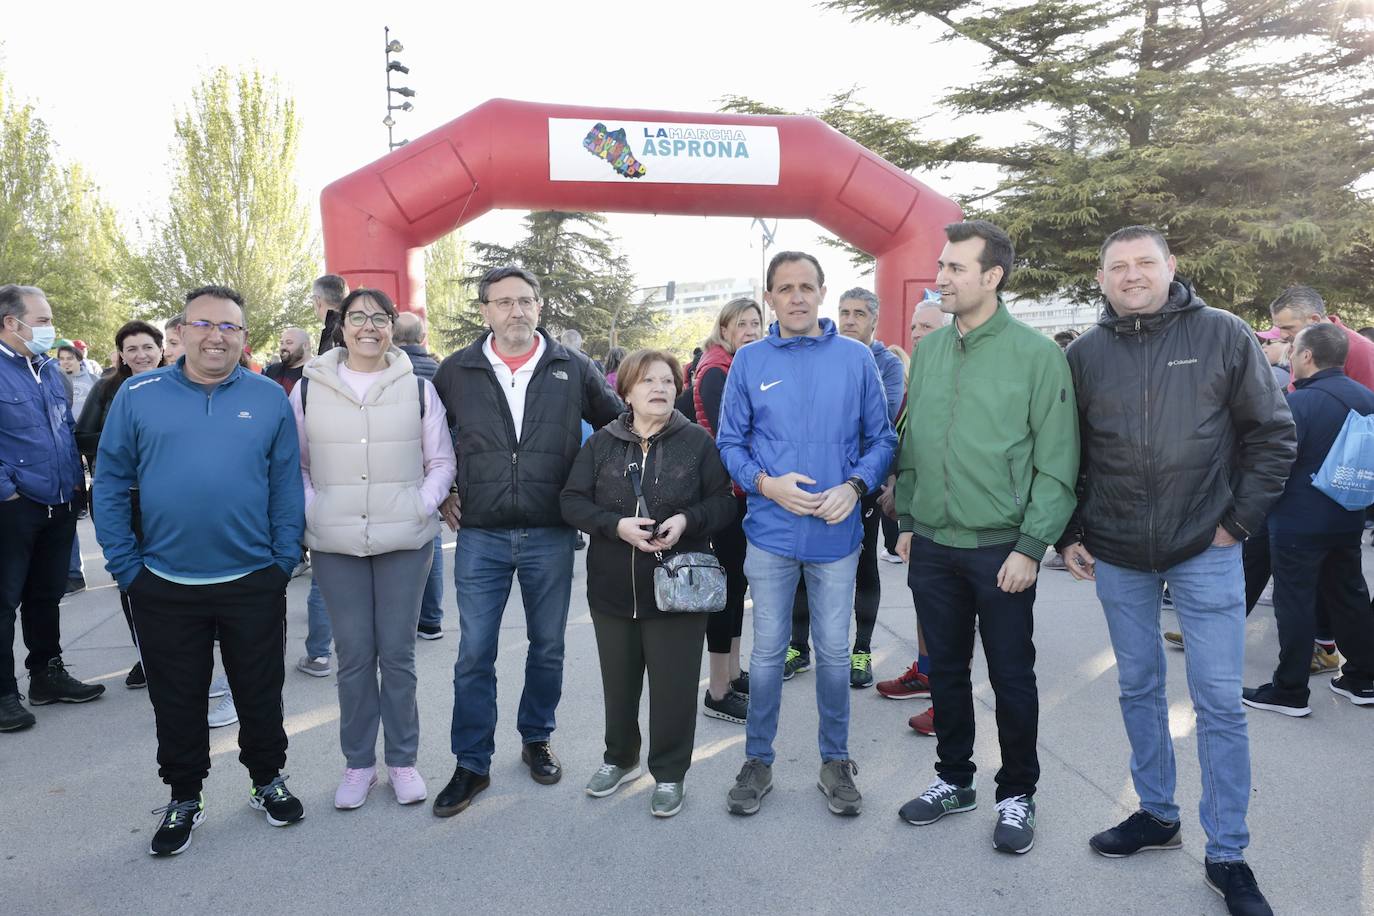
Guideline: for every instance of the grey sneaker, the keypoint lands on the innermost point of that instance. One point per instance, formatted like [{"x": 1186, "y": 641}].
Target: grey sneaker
[
  {"x": 315, "y": 667},
  {"x": 667, "y": 799},
  {"x": 1015, "y": 830},
  {"x": 609, "y": 778},
  {"x": 223, "y": 714},
  {"x": 837, "y": 784},
  {"x": 755, "y": 780},
  {"x": 937, "y": 801}
]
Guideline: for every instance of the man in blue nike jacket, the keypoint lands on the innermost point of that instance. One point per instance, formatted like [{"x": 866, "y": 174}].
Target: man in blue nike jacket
[{"x": 804, "y": 430}]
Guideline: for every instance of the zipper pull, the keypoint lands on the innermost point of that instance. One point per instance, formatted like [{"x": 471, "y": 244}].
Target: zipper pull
[{"x": 514, "y": 457}]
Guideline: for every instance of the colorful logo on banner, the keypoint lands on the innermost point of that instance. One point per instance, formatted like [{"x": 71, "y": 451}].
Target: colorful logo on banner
[{"x": 658, "y": 152}]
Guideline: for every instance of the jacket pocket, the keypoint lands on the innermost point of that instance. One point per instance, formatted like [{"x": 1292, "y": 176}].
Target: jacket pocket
[
  {"x": 18, "y": 411},
  {"x": 1011, "y": 478}
]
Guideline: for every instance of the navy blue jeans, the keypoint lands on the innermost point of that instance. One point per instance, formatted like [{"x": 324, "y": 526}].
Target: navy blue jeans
[
  {"x": 953, "y": 588},
  {"x": 485, "y": 561},
  {"x": 432, "y": 603}
]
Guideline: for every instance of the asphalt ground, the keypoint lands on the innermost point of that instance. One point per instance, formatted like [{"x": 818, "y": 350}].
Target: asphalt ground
[{"x": 78, "y": 789}]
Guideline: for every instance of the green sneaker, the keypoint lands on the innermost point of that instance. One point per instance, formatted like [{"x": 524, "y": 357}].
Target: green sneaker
[
  {"x": 861, "y": 669},
  {"x": 795, "y": 663},
  {"x": 755, "y": 780},
  {"x": 837, "y": 783},
  {"x": 609, "y": 778},
  {"x": 667, "y": 799}
]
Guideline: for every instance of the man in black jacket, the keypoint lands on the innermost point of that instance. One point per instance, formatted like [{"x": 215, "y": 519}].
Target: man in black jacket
[
  {"x": 408, "y": 333},
  {"x": 1186, "y": 442},
  {"x": 516, "y": 399}
]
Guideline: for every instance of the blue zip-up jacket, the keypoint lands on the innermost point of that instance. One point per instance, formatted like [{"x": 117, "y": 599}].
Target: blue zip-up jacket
[
  {"x": 814, "y": 405},
  {"x": 893, "y": 376},
  {"x": 38, "y": 458},
  {"x": 209, "y": 469},
  {"x": 1305, "y": 516}
]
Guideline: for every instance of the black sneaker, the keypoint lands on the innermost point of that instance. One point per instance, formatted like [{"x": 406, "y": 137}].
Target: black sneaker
[
  {"x": 1139, "y": 832},
  {"x": 795, "y": 663},
  {"x": 54, "y": 685},
  {"x": 75, "y": 584},
  {"x": 1015, "y": 830},
  {"x": 13, "y": 716},
  {"x": 1359, "y": 694},
  {"x": 1236, "y": 884},
  {"x": 136, "y": 679},
  {"x": 937, "y": 801},
  {"x": 861, "y": 670},
  {"x": 1267, "y": 696},
  {"x": 732, "y": 707},
  {"x": 429, "y": 631},
  {"x": 740, "y": 684},
  {"x": 179, "y": 818},
  {"x": 276, "y": 801}
]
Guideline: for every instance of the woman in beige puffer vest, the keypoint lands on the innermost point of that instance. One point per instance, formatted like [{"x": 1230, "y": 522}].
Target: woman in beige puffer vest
[{"x": 377, "y": 460}]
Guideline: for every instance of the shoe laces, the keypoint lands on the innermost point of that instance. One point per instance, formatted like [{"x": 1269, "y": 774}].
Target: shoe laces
[
  {"x": 861, "y": 660},
  {"x": 846, "y": 770},
  {"x": 666, "y": 788},
  {"x": 174, "y": 810},
  {"x": 276, "y": 789},
  {"x": 406, "y": 774},
  {"x": 606, "y": 769},
  {"x": 746, "y": 773},
  {"x": 354, "y": 777},
  {"x": 938, "y": 789},
  {"x": 793, "y": 653},
  {"x": 1014, "y": 810},
  {"x": 913, "y": 674}
]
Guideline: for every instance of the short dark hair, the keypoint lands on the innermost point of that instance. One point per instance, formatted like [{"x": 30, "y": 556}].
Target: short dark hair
[
  {"x": 1066, "y": 337},
  {"x": 1130, "y": 234},
  {"x": 859, "y": 294},
  {"x": 785, "y": 257},
  {"x": 12, "y": 300},
  {"x": 130, "y": 328},
  {"x": 997, "y": 248},
  {"x": 497, "y": 274},
  {"x": 382, "y": 300},
  {"x": 1327, "y": 343},
  {"x": 635, "y": 366},
  {"x": 215, "y": 292},
  {"x": 69, "y": 348},
  {"x": 332, "y": 288},
  {"x": 1303, "y": 300}
]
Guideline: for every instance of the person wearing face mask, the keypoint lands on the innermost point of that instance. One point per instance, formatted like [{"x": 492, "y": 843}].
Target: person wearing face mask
[
  {"x": 727, "y": 695},
  {"x": 650, "y": 483},
  {"x": 515, "y": 399},
  {"x": 41, "y": 490},
  {"x": 138, "y": 348},
  {"x": 376, "y": 461}
]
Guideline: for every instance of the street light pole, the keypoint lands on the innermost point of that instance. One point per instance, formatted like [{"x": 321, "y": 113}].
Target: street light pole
[{"x": 394, "y": 47}]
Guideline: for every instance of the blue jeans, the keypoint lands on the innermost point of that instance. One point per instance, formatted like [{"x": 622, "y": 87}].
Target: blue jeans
[
  {"x": 432, "y": 604},
  {"x": 484, "y": 562},
  {"x": 1209, "y": 596},
  {"x": 319, "y": 633},
  {"x": 830, "y": 589}
]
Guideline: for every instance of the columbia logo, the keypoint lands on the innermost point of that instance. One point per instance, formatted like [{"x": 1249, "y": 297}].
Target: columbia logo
[
  {"x": 245, "y": 415},
  {"x": 1181, "y": 362}
]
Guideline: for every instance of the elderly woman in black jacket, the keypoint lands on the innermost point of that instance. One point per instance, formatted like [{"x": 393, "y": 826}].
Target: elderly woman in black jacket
[{"x": 686, "y": 498}]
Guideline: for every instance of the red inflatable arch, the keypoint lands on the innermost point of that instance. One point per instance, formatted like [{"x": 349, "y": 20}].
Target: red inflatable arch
[{"x": 529, "y": 156}]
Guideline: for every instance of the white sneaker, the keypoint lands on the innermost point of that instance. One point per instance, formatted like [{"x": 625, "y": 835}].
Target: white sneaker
[
  {"x": 219, "y": 687},
  {"x": 315, "y": 667},
  {"x": 223, "y": 714},
  {"x": 888, "y": 557}
]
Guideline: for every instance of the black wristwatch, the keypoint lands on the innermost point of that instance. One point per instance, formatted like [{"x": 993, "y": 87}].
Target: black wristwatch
[{"x": 859, "y": 486}]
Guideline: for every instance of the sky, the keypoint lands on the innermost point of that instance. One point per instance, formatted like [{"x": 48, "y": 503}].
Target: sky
[{"x": 107, "y": 79}]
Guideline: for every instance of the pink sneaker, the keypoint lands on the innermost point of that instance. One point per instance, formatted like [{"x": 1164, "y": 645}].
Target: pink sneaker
[
  {"x": 407, "y": 784},
  {"x": 353, "y": 788}
]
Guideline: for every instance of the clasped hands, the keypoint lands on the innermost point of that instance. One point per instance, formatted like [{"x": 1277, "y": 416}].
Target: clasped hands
[{"x": 832, "y": 506}]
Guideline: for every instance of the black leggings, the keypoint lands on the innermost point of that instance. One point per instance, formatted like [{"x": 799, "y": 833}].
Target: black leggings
[
  {"x": 725, "y": 626},
  {"x": 868, "y": 590}
]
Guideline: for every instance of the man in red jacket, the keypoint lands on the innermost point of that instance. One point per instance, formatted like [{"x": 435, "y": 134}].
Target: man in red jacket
[{"x": 1300, "y": 306}]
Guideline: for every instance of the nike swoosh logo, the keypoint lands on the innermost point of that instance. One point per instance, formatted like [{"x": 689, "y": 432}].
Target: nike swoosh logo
[{"x": 764, "y": 386}]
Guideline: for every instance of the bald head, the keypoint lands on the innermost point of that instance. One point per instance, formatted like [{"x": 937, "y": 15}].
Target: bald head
[
  {"x": 408, "y": 329},
  {"x": 294, "y": 347},
  {"x": 926, "y": 318}
]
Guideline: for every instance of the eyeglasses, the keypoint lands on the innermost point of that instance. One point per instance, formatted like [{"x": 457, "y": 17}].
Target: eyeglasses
[
  {"x": 378, "y": 319},
  {"x": 225, "y": 327},
  {"x": 505, "y": 305}
]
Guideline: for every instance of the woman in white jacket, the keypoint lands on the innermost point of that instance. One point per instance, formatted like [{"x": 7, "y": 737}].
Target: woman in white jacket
[{"x": 377, "y": 460}]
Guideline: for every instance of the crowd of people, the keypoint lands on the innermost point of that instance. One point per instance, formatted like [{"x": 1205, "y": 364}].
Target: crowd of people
[{"x": 1157, "y": 448}]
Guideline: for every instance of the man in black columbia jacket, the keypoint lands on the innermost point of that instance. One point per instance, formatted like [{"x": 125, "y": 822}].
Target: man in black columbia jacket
[
  {"x": 515, "y": 399},
  {"x": 1186, "y": 443}
]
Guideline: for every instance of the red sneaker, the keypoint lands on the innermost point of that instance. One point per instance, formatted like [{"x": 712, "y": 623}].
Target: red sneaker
[
  {"x": 924, "y": 724},
  {"x": 908, "y": 686}
]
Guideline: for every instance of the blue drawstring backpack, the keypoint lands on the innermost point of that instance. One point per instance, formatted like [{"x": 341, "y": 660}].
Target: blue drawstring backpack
[{"x": 1347, "y": 474}]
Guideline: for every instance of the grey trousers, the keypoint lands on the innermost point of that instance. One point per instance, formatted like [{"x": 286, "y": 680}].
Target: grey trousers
[{"x": 374, "y": 607}]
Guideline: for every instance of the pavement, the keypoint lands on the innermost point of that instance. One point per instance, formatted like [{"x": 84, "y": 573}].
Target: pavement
[{"x": 75, "y": 803}]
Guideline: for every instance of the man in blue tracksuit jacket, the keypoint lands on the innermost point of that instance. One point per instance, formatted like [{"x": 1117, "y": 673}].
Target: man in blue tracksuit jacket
[
  {"x": 1314, "y": 542},
  {"x": 804, "y": 430},
  {"x": 212, "y": 451},
  {"x": 41, "y": 490}
]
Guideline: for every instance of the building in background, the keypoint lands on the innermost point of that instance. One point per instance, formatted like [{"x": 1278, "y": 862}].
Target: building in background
[
  {"x": 1049, "y": 316},
  {"x": 699, "y": 297}
]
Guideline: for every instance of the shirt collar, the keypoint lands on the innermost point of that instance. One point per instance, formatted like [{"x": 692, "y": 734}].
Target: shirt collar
[{"x": 495, "y": 358}]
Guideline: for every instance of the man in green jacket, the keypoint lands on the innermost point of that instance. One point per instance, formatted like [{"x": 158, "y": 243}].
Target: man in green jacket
[{"x": 985, "y": 485}]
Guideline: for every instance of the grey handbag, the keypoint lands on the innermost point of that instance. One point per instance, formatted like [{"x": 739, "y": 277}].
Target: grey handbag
[{"x": 686, "y": 583}]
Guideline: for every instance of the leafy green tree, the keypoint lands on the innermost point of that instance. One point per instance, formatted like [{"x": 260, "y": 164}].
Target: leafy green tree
[
  {"x": 585, "y": 279},
  {"x": 55, "y": 231},
  {"x": 450, "y": 295},
  {"x": 234, "y": 215},
  {"x": 1242, "y": 128}
]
